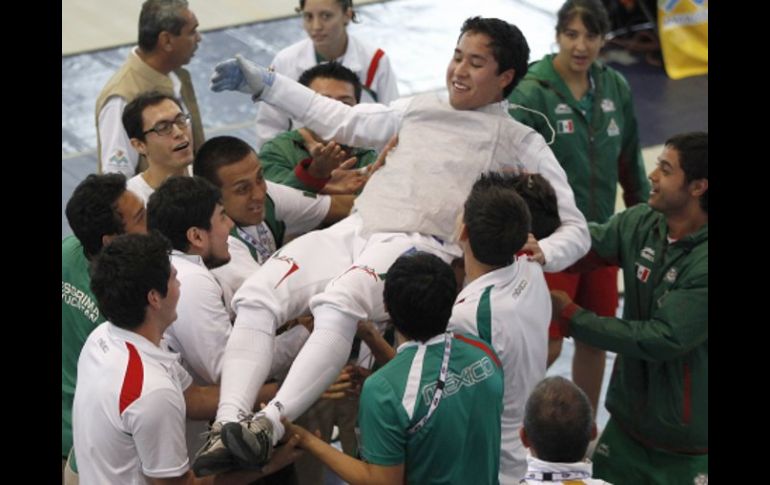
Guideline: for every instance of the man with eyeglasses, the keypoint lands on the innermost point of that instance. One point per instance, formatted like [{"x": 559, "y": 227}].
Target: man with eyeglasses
[
  {"x": 160, "y": 131},
  {"x": 168, "y": 38}
]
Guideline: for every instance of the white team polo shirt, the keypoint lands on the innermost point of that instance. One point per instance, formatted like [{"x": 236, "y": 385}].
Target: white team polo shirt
[
  {"x": 510, "y": 308},
  {"x": 129, "y": 409}
]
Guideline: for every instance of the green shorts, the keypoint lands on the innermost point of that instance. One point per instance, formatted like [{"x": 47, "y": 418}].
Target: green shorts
[{"x": 620, "y": 459}]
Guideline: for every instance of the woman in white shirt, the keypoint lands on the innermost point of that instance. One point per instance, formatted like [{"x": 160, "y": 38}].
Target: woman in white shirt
[{"x": 325, "y": 22}]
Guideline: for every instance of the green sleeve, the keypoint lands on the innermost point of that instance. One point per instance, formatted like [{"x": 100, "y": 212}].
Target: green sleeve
[
  {"x": 366, "y": 158},
  {"x": 530, "y": 94},
  {"x": 279, "y": 158},
  {"x": 678, "y": 324},
  {"x": 606, "y": 238},
  {"x": 383, "y": 423},
  {"x": 632, "y": 174}
]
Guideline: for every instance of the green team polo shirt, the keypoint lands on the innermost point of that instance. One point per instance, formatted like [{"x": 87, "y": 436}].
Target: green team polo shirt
[
  {"x": 79, "y": 316},
  {"x": 460, "y": 443}
]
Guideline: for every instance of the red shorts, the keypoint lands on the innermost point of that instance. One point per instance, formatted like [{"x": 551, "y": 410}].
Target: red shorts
[{"x": 596, "y": 291}]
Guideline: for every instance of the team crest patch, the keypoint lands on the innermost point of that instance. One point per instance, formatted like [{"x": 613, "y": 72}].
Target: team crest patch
[
  {"x": 648, "y": 253},
  {"x": 607, "y": 105},
  {"x": 119, "y": 159},
  {"x": 671, "y": 275},
  {"x": 701, "y": 479},
  {"x": 565, "y": 126},
  {"x": 612, "y": 128},
  {"x": 642, "y": 272},
  {"x": 562, "y": 109}
]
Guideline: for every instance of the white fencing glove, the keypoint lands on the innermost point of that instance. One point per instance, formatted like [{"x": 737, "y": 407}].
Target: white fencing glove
[{"x": 238, "y": 74}]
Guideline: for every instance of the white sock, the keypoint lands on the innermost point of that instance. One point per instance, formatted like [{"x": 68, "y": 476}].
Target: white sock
[
  {"x": 316, "y": 367},
  {"x": 246, "y": 363}
]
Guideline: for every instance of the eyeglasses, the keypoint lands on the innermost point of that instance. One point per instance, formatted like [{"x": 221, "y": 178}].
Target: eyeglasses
[{"x": 163, "y": 128}]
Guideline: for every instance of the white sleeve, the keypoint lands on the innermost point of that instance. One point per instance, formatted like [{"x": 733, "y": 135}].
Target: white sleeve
[
  {"x": 202, "y": 326},
  {"x": 384, "y": 83},
  {"x": 157, "y": 424},
  {"x": 571, "y": 241},
  {"x": 287, "y": 346},
  {"x": 271, "y": 121},
  {"x": 232, "y": 275},
  {"x": 300, "y": 211},
  {"x": 366, "y": 125},
  {"x": 117, "y": 154}
]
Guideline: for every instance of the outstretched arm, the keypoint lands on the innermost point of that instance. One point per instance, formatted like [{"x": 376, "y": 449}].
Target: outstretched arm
[
  {"x": 348, "y": 468},
  {"x": 367, "y": 125}
]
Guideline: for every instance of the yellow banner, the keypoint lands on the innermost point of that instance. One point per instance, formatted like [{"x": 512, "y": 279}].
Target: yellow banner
[{"x": 684, "y": 37}]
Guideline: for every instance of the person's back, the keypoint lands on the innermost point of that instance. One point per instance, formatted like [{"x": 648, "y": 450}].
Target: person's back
[
  {"x": 460, "y": 442},
  {"x": 506, "y": 301}
]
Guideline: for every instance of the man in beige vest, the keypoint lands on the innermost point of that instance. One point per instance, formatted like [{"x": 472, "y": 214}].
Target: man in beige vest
[
  {"x": 168, "y": 38},
  {"x": 160, "y": 132}
]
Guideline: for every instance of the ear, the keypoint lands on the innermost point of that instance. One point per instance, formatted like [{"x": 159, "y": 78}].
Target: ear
[
  {"x": 107, "y": 238},
  {"x": 699, "y": 187},
  {"x": 506, "y": 77},
  {"x": 349, "y": 15},
  {"x": 153, "y": 299},
  {"x": 525, "y": 438},
  {"x": 164, "y": 41},
  {"x": 195, "y": 237},
  {"x": 139, "y": 146}
]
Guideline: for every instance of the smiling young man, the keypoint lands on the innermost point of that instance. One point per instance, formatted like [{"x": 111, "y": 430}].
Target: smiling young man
[
  {"x": 658, "y": 393},
  {"x": 265, "y": 214},
  {"x": 413, "y": 202},
  {"x": 168, "y": 39},
  {"x": 160, "y": 131}
]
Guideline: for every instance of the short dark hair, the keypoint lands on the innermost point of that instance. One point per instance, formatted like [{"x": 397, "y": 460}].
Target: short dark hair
[
  {"x": 182, "y": 202},
  {"x": 420, "y": 290},
  {"x": 541, "y": 200},
  {"x": 160, "y": 16},
  {"x": 344, "y": 4},
  {"x": 693, "y": 149},
  {"x": 509, "y": 47},
  {"x": 132, "y": 119},
  {"x": 332, "y": 70},
  {"x": 558, "y": 420},
  {"x": 92, "y": 211},
  {"x": 218, "y": 152},
  {"x": 124, "y": 273},
  {"x": 497, "y": 219},
  {"x": 591, "y": 12}
]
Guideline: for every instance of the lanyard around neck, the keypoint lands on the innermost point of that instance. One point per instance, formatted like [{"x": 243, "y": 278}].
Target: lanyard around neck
[{"x": 439, "y": 392}]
